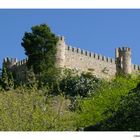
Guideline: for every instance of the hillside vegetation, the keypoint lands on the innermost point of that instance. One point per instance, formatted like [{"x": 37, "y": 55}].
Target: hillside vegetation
[
  {"x": 47, "y": 98},
  {"x": 74, "y": 103}
]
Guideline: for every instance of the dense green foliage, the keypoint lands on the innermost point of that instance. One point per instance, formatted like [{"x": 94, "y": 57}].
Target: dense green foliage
[
  {"x": 81, "y": 85},
  {"x": 127, "y": 116},
  {"x": 29, "y": 108},
  {"x": 6, "y": 80},
  {"x": 40, "y": 47}
]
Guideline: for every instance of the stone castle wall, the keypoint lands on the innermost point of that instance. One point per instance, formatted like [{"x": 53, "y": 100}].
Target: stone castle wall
[
  {"x": 99, "y": 65},
  {"x": 19, "y": 68},
  {"x": 83, "y": 61},
  {"x": 135, "y": 68}
]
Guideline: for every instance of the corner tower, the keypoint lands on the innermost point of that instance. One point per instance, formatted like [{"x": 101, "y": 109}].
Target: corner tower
[
  {"x": 123, "y": 60},
  {"x": 60, "y": 54}
]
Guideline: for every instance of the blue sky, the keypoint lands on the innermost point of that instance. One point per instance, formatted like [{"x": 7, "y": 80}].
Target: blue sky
[{"x": 96, "y": 30}]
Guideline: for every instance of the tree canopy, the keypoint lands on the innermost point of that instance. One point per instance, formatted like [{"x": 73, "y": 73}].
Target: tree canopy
[{"x": 40, "y": 47}]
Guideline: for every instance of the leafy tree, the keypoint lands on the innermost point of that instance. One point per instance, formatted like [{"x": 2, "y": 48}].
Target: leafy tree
[
  {"x": 7, "y": 80},
  {"x": 40, "y": 47},
  {"x": 82, "y": 85},
  {"x": 31, "y": 80},
  {"x": 4, "y": 78},
  {"x": 11, "y": 80}
]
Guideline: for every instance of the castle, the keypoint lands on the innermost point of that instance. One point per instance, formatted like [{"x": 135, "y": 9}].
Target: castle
[{"x": 83, "y": 61}]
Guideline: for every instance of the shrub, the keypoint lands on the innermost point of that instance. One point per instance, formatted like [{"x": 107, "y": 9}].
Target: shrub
[{"x": 82, "y": 85}]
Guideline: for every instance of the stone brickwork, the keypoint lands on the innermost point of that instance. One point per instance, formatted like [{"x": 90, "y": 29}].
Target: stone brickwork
[
  {"x": 99, "y": 65},
  {"x": 123, "y": 58},
  {"x": 68, "y": 57},
  {"x": 19, "y": 68},
  {"x": 85, "y": 61}
]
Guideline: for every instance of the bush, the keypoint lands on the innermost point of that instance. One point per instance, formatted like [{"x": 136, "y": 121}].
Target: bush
[{"x": 82, "y": 85}]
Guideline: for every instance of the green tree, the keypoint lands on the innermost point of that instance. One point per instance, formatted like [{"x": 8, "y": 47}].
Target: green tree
[
  {"x": 7, "y": 80},
  {"x": 4, "y": 78},
  {"x": 40, "y": 47},
  {"x": 31, "y": 80},
  {"x": 83, "y": 85}
]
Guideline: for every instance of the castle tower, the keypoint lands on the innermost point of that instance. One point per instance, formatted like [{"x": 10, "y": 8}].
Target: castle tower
[
  {"x": 9, "y": 62},
  {"x": 123, "y": 60},
  {"x": 60, "y": 54}
]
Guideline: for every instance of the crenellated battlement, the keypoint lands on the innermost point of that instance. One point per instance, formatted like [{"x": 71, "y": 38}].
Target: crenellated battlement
[
  {"x": 90, "y": 54},
  {"x": 22, "y": 62},
  {"x": 124, "y": 49},
  {"x": 10, "y": 60},
  {"x": 135, "y": 67},
  {"x": 61, "y": 38},
  {"x": 13, "y": 62}
]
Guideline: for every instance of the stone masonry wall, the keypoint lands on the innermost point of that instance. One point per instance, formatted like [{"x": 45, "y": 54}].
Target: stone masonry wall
[
  {"x": 135, "y": 68},
  {"x": 19, "y": 68},
  {"x": 81, "y": 60},
  {"x": 77, "y": 59}
]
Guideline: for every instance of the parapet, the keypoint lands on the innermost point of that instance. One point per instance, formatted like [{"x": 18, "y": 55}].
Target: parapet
[
  {"x": 124, "y": 49},
  {"x": 120, "y": 51},
  {"x": 22, "y": 62},
  {"x": 135, "y": 67},
  {"x": 90, "y": 54},
  {"x": 13, "y": 62},
  {"x": 62, "y": 38},
  {"x": 10, "y": 60}
]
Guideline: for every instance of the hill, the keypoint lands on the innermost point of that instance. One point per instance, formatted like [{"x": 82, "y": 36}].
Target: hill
[{"x": 75, "y": 102}]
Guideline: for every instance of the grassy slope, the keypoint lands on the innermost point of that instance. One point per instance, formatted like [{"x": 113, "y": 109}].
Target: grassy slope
[
  {"x": 107, "y": 98},
  {"x": 24, "y": 109}
]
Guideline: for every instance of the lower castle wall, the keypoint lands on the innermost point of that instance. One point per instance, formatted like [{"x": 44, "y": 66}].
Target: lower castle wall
[
  {"x": 135, "y": 69},
  {"x": 20, "y": 72},
  {"x": 88, "y": 63}
]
